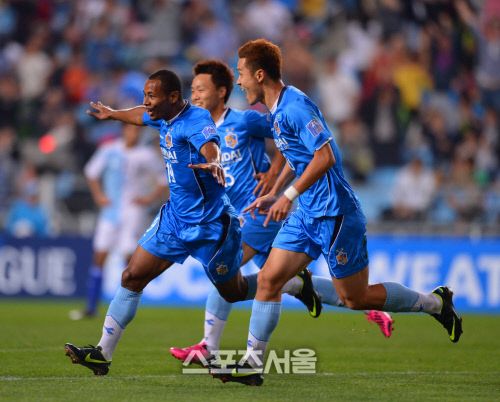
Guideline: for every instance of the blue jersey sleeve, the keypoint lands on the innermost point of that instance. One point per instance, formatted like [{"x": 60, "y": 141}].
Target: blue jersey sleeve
[
  {"x": 201, "y": 132},
  {"x": 258, "y": 124},
  {"x": 310, "y": 127},
  {"x": 146, "y": 120}
]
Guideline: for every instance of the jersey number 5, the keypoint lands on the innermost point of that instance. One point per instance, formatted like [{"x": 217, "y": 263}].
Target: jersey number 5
[{"x": 229, "y": 177}]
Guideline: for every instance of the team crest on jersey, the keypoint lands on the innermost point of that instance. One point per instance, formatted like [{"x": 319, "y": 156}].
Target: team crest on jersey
[
  {"x": 315, "y": 127},
  {"x": 277, "y": 128},
  {"x": 168, "y": 139},
  {"x": 341, "y": 257},
  {"x": 222, "y": 269},
  {"x": 231, "y": 139},
  {"x": 209, "y": 131}
]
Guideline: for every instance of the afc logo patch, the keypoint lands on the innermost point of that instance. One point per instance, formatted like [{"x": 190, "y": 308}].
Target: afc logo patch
[
  {"x": 231, "y": 139},
  {"x": 222, "y": 269},
  {"x": 341, "y": 257},
  {"x": 209, "y": 131},
  {"x": 168, "y": 140},
  {"x": 315, "y": 127}
]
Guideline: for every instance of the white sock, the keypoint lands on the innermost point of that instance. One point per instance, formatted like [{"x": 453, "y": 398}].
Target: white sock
[
  {"x": 429, "y": 303},
  {"x": 111, "y": 334},
  {"x": 255, "y": 352},
  {"x": 213, "y": 331},
  {"x": 293, "y": 286}
]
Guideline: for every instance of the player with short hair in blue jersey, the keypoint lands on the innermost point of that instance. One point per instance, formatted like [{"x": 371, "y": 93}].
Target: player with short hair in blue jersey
[
  {"x": 248, "y": 173},
  {"x": 197, "y": 220},
  {"x": 328, "y": 219}
]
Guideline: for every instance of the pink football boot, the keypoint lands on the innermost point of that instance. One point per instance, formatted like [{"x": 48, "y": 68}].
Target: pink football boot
[
  {"x": 196, "y": 354},
  {"x": 383, "y": 320}
]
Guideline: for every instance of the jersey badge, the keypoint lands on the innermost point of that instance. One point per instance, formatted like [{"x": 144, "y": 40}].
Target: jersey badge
[
  {"x": 209, "y": 131},
  {"x": 277, "y": 128},
  {"x": 315, "y": 127},
  {"x": 231, "y": 139},
  {"x": 341, "y": 257},
  {"x": 222, "y": 269},
  {"x": 168, "y": 139}
]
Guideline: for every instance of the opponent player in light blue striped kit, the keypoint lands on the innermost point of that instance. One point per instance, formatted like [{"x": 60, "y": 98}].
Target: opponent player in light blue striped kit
[
  {"x": 242, "y": 137},
  {"x": 328, "y": 220},
  {"x": 120, "y": 176}
]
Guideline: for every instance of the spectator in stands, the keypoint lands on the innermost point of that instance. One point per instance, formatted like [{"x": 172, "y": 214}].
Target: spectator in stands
[
  {"x": 412, "y": 80},
  {"x": 380, "y": 114},
  {"x": 413, "y": 192},
  {"x": 269, "y": 19},
  {"x": 9, "y": 100},
  {"x": 462, "y": 194},
  {"x": 358, "y": 157},
  {"x": 339, "y": 91},
  {"x": 488, "y": 41}
]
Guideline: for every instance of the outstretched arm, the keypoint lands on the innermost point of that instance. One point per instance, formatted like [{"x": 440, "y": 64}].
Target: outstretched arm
[{"x": 129, "y": 116}]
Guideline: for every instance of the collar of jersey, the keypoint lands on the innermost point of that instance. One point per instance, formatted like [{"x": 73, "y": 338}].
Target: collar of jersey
[
  {"x": 275, "y": 106},
  {"x": 184, "y": 108},
  {"x": 219, "y": 122}
]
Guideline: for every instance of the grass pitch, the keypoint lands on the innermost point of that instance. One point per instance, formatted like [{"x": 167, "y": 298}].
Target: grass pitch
[{"x": 355, "y": 362}]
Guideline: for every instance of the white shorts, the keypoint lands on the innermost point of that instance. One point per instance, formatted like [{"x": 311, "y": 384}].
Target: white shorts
[{"x": 123, "y": 235}]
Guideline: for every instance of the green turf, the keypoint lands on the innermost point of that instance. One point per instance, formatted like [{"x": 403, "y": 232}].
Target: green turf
[{"x": 355, "y": 362}]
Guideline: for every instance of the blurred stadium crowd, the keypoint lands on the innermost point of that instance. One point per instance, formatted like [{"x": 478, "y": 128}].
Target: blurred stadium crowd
[{"x": 412, "y": 89}]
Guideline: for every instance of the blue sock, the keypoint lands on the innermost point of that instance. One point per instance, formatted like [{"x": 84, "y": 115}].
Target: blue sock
[
  {"x": 252, "y": 286},
  {"x": 94, "y": 284},
  {"x": 399, "y": 297},
  {"x": 264, "y": 319},
  {"x": 217, "y": 306},
  {"x": 123, "y": 306},
  {"x": 326, "y": 290}
]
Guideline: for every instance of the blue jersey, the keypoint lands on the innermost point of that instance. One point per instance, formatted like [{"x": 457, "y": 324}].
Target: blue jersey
[
  {"x": 299, "y": 130},
  {"x": 195, "y": 195},
  {"x": 243, "y": 148}
]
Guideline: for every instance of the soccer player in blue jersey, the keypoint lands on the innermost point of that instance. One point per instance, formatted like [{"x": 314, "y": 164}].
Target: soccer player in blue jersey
[
  {"x": 328, "y": 219},
  {"x": 242, "y": 141},
  {"x": 197, "y": 220}
]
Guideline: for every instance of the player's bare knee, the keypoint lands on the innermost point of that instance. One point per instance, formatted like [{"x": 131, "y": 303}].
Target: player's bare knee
[
  {"x": 267, "y": 284},
  {"x": 131, "y": 281}
]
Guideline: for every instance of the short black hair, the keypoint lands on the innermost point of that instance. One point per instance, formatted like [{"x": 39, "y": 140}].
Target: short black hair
[
  {"x": 170, "y": 81},
  {"x": 222, "y": 75}
]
